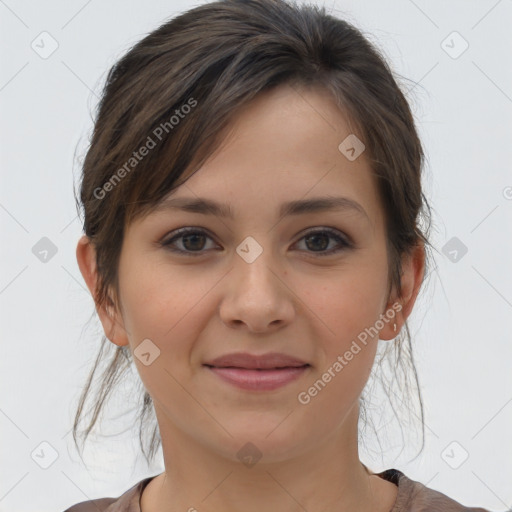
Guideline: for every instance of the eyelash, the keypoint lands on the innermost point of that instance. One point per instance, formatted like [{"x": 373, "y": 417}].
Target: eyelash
[{"x": 180, "y": 233}]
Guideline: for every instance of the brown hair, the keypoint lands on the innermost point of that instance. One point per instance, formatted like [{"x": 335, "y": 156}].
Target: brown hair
[{"x": 177, "y": 90}]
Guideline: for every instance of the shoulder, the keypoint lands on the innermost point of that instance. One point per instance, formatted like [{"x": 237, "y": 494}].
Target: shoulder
[
  {"x": 413, "y": 496},
  {"x": 98, "y": 505},
  {"x": 127, "y": 502}
]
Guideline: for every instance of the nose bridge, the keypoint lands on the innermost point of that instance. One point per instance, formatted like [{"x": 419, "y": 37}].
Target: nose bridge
[
  {"x": 255, "y": 265},
  {"x": 256, "y": 296}
]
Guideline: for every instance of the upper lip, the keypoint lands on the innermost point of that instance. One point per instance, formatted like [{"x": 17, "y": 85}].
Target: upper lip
[{"x": 250, "y": 361}]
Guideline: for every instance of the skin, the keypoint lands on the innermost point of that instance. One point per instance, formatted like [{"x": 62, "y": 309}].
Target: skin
[{"x": 283, "y": 146}]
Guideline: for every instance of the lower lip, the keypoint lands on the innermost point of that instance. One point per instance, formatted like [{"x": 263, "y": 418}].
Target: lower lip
[{"x": 259, "y": 380}]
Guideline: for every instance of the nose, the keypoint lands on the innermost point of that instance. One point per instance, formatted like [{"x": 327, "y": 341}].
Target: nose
[{"x": 257, "y": 296}]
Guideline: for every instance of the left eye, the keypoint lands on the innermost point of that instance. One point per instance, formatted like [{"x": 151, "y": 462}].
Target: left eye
[
  {"x": 192, "y": 241},
  {"x": 320, "y": 239}
]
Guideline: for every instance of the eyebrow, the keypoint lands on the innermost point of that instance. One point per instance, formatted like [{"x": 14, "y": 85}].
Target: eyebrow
[{"x": 209, "y": 207}]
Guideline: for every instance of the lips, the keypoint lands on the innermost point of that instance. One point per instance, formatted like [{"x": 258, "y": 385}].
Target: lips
[
  {"x": 248, "y": 361},
  {"x": 257, "y": 373}
]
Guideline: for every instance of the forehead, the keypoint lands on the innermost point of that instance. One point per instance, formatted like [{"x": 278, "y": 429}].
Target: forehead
[{"x": 284, "y": 147}]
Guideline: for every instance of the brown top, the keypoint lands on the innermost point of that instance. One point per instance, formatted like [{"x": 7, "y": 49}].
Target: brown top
[{"x": 412, "y": 497}]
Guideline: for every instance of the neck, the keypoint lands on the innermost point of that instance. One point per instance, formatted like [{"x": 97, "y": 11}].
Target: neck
[{"x": 326, "y": 476}]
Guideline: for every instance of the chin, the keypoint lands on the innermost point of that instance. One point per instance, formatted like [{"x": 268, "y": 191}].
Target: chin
[{"x": 271, "y": 442}]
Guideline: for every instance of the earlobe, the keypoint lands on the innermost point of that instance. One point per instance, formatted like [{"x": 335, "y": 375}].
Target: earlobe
[
  {"x": 395, "y": 321},
  {"x": 86, "y": 259}
]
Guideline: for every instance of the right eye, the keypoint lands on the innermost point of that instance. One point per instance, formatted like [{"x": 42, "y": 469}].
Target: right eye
[{"x": 192, "y": 239}]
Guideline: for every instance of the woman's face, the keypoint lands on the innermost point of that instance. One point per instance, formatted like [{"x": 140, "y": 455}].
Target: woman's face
[{"x": 261, "y": 282}]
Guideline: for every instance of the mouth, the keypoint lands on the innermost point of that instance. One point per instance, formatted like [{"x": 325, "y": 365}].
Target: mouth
[
  {"x": 245, "y": 360},
  {"x": 258, "y": 379},
  {"x": 259, "y": 369}
]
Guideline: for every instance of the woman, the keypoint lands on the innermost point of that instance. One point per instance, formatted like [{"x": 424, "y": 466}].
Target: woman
[{"x": 252, "y": 200}]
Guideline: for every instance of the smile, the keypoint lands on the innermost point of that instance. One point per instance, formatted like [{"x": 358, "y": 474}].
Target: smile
[{"x": 259, "y": 379}]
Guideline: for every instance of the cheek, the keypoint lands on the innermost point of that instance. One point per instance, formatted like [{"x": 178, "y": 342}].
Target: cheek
[
  {"x": 156, "y": 298},
  {"x": 347, "y": 309},
  {"x": 169, "y": 308},
  {"x": 347, "y": 304},
  {"x": 162, "y": 307}
]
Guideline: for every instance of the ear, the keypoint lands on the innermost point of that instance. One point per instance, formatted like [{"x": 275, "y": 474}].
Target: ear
[
  {"x": 413, "y": 269},
  {"x": 110, "y": 317}
]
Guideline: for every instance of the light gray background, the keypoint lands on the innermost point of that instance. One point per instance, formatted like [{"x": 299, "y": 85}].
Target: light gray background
[{"x": 462, "y": 325}]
